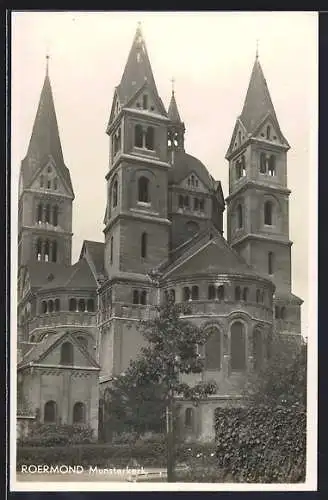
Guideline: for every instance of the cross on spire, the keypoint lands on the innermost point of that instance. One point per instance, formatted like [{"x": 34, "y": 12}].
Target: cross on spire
[
  {"x": 47, "y": 63},
  {"x": 173, "y": 82},
  {"x": 257, "y": 48}
]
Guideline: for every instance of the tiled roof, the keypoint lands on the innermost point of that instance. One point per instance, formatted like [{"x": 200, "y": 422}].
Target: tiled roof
[
  {"x": 77, "y": 276},
  {"x": 45, "y": 141},
  {"x": 173, "y": 112},
  {"x": 96, "y": 250},
  {"x": 40, "y": 271},
  {"x": 40, "y": 348},
  {"x": 184, "y": 164}
]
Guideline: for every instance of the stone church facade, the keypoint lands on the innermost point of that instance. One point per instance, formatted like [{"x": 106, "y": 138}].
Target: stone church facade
[{"x": 163, "y": 234}]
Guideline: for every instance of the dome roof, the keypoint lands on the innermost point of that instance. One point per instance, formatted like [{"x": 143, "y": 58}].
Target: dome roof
[{"x": 185, "y": 164}]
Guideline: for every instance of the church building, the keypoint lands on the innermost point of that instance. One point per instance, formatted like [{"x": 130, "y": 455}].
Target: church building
[{"x": 163, "y": 235}]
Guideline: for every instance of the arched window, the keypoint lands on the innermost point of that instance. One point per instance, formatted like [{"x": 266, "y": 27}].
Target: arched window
[
  {"x": 221, "y": 292},
  {"x": 72, "y": 305},
  {"x": 50, "y": 306},
  {"x": 135, "y": 297},
  {"x": 238, "y": 351},
  {"x": 196, "y": 203},
  {"x": 268, "y": 132},
  {"x": 66, "y": 354},
  {"x": 270, "y": 262},
  {"x": 91, "y": 305},
  {"x": 195, "y": 292},
  {"x": 243, "y": 166},
  {"x": 50, "y": 412},
  {"x": 55, "y": 215},
  {"x": 211, "y": 292},
  {"x": 138, "y": 136},
  {"x": 237, "y": 293},
  {"x": 55, "y": 183},
  {"x": 144, "y": 245},
  {"x": 83, "y": 341},
  {"x": 41, "y": 181},
  {"x": 257, "y": 350},
  {"x": 181, "y": 201},
  {"x": 47, "y": 251},
  {"x": 39, "y": 249},
  {"x": 263, "y": 163},
  {"x": 172, "y": 294},
  {"x": 78, "y": 413},
  {"x": 49, "y": 184},
  {"x": 272, "y": 165},
  {"x": 81, "y": 305},
  {"x": 186, "y": 293},
  {"x": 54, "y": 251},
  {"x": 39, "y": 213},
  {"x": 268, "y": 213},
  {"x": 47, "y": 214},
  {"x": 44, "y": 307},
  {"x": 150, "y": 138},
  {"x": 245, "y": 294},
  {"x": 114, "y": 193},
  {"x": 143, "y": 189},
  {"x": 145, "y": 101},
  {"x": 57, "y": 305},
  {"x": 213, "y": 350},
  {"x": 111, "y": 249},
  {"x": 202, "y": 205},
  {"x": 143, "y": 297},
  {"x": 258, "y": 296},
  {"x": 189, "y": 417},
  {"x": 239, "y": 216},
  {"x": 186, "y": 201}
]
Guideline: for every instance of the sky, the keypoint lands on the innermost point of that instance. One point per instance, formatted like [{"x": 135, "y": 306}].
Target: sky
[{"x": 210, "y": 55}]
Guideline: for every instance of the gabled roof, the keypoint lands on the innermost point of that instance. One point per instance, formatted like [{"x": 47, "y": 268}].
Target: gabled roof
[
  {"x": 40, "y": 271},
  {"x": 137, "y": 71},
  {"x": 45, "y": 142},
  {"x": 41, "y": 349},
  {"x": 95, "y": 251},
  {"x": 210, "y": 254},
  {"x": 77, "y": 276}
]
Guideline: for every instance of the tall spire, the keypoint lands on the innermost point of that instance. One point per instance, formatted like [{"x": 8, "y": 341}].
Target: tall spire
[
  {"x": 258, "y": 101},
  {"x": 47, "y": 64},
  {"x": 45, "y": 139},
  {"x": 176, "y": 127},
  {"x": 137, "y": 70},
  {"x": 173, "y": 112}
]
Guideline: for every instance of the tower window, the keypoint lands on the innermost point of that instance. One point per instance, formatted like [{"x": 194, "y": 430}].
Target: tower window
[
  {"x": 239, "y": 216},
  {"x": 114, "y": 193},
  {"x": 49, "y": 184},
  {"x": 270, "y": 263},
  {"x": 144, "y": 245},
  {"x": 268, "y": 213},
  {"x": 238, "y": 350},
  {"x": 39, "y": 213},
  {"x": 111, "y": 250},
  {"x": 145, "y": 101},
  {"x": 47, "y": 214},
  {"x": 150, "y": 138},
  {"x": 268, "y": 132},
  {"x": 57, "y": 305},
  {"x": 186, "y": 201},
  {"x": 181, "y": 201},
  {"x": 138, "y": 136},
  {"x": 55, "y": 215},
  {"x": 50, "y": 306},
  {"x": 243, "y": 166},
  {"x": 258, "y": 296},
  {"x": 237, "y": 293},
  {"x": 194, "y": 292},
  {"x": 66, "y": 354},
  {"x": 143, "y": 189},
  {"x": 81, "y": 305},
  {"x": 272, "y": 166},
  {"x": 38, "y": 249},
  {"x": 202, "y": 205},
  {"x": 90, "y": 305},
  {"x": 245, "y": 294},
  {"x": 55, "y": 183},
  {"x": 46, "y": 251},
  {"x": 54, "y": 251},
  {"x": 186, "y": 293},
  {"x": 263, "y": 163},
  {"x": 196, "y": 203},
  {"x": 44, "y": 307}
]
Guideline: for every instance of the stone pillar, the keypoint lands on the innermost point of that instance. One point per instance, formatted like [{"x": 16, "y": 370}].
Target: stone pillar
[
  {"x": 226, "y": 355},
  {"x": 65, "y": 402}
]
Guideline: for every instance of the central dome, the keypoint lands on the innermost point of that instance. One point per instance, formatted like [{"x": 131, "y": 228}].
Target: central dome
[{"x": 184, "y": 165}]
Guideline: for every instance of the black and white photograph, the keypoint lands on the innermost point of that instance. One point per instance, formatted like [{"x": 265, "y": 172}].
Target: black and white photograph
[{"x": 163, "y": 287}]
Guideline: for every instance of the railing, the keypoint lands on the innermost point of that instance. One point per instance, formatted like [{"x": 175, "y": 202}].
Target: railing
[{"x": 62, "y": 318}]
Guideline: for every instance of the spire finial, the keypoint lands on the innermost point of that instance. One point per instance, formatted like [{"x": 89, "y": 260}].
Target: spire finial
[
  {"x": 173, "y": 82},
  {"x": 257, "y": 48},
  {"x": 47, "y": 64}
]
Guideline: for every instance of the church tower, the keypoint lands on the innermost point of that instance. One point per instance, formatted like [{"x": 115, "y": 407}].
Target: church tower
[
  {"x": 258, "y": 201},
  {"x": 137, "y": 226},
  {"x": 45, "y": 191}
]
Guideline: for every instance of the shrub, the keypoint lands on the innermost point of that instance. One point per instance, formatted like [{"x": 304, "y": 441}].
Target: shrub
[{"x": 49, "y": 435}]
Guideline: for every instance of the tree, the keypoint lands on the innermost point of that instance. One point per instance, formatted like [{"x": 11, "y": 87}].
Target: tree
[{"x": 153, "y": 381}]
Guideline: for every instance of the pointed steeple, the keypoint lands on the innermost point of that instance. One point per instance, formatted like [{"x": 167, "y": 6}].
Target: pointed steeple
[
  {"x": 173, "y": 112},
  {"x": 137, "y": 70},
  {"x": 258, "y": 102}
]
